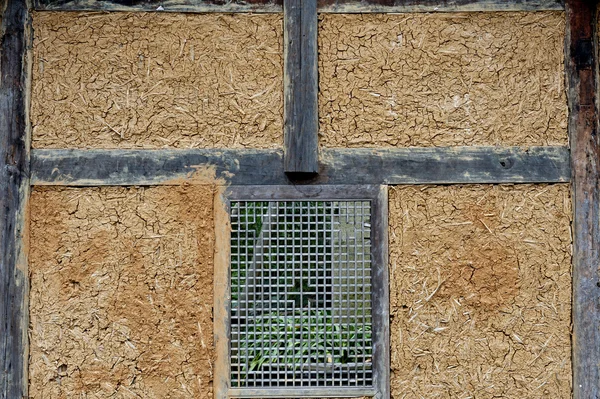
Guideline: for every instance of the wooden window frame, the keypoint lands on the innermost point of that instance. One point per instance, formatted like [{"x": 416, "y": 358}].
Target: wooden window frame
[{"x": 378, "y": 197}]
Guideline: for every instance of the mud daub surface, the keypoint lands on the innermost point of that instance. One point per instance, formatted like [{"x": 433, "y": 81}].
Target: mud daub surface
[
  {"x": 124, "y": 80},
  {"x": 121, "y": 292},
  {"x": 480, "y": 291},
  {"x": 442, "y": 79}
]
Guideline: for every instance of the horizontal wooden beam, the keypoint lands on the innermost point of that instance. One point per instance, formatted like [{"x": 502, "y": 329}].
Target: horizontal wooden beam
[
  {"x": 448, "y": 165},
  {"x": 398, "y": 6},
  {"x": 195, "y": 6},
  {"x": 327, "y": 6}
]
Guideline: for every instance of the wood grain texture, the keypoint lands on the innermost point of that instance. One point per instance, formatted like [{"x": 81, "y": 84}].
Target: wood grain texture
[
  {"x": 330, "y": 6},
  {"x": 377, "y": 6},
  {"x": 300, "y": 87},
  {"x": 14, "y": 192},
  {"x": 195, "y": 6},
  {"x": 381, "y": 294},
  {"x": 581, "y": 64},
  {"x": 338, "y": 166},
  {"x": 222, "y": 296}
]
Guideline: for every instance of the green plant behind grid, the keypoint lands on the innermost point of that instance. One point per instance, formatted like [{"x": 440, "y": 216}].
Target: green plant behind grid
[{"x": 285, "y": 337}]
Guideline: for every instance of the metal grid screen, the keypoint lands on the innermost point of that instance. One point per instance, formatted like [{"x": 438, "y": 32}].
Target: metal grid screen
[{"x": 301, "y": 294}]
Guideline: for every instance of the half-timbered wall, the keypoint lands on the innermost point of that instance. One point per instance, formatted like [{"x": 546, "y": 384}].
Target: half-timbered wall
[
  {"x": 121, "y": 277},
  {"x": 484, "y": 274}
]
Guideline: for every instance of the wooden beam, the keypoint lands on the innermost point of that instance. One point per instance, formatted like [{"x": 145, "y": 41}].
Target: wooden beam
[
  {"x": 399, "y": 6},
  {"x": 338, "y": 166},
  {"x": 193, "y": 6},
  {"x": 14, "y": 192},
  {"x": 327, "y": 6},
  {"x": 381, "y": 293},
  {"x": 222, "y": 294},
  {"x": 581, "y": 68},
  {"x": 300, "y": 87}
]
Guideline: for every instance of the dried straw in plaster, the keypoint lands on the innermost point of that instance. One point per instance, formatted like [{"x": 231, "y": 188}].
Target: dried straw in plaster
[
  {"x": 124, "y": 80},
  {"x": 121, "y": 292},
  {"x": 442, "y": 79},
  {"x": 480, "y": 291}
]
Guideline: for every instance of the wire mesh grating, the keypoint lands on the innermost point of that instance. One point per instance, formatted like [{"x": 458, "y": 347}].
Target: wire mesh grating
[{"x": 301, "y": 294}]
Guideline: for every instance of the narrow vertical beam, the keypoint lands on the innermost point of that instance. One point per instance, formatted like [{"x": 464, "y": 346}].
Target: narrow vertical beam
[
  {"x": 300, "y": 76},
  {"x": 14, "y": 191},
  {"x": 381, "y": 294},
  {"x": 581, "y": 60},
  {"x": 222, "y": 294}
]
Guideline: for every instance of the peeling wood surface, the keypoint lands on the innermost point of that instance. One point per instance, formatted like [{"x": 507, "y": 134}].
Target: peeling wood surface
[
  {"x": 582, "y": 63},
  {"x": 14, "y": 192},
  {"x": 329, "y": 6},
  {"x": 301, "y": 87},
  {"x": 338, "y": 166}
]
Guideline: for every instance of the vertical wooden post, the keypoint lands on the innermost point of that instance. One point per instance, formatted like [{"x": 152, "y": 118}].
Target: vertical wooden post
[
  {"x": 581, "y": 64},
  {"x": 300, "y": 77},
  {"x": 14, "y": 191},
  {"x": 222, "y": 295}
]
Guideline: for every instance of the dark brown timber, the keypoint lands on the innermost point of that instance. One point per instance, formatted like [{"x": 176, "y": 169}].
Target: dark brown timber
[
  {"x": 301, "y": 86},
  {"x": 14, "y": 190},
  {"x": 330, "y": 6},
  {"x": 581, "y": 63},
  {"x": 338, "y": 166}
]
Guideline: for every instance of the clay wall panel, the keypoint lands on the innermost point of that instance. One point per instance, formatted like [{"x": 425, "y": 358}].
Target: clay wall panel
[
  {"x": 446, "y": 79},
  {"x": 121, "y": 292},
  {"x": 156, "y": 80},
  {"x": 480, "y": 280}
]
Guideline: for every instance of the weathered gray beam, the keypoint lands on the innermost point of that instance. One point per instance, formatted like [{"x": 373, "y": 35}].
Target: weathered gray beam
[
  {"x": 400, "y": 6},
  {"x": 338, "y": 166},
  {"x": 327, "y": 6},
  {"x": 15, "y": 62},
  {"x": 581, "y": 67},
  {"x": 300, "y": 87},
  {"x": 192, "y": 6}
]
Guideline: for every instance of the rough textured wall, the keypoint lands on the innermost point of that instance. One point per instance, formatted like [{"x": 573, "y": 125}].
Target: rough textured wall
[
  {"x": 442, "y": 79},
  {"x": 121, "y": 292},
  {"x": 124, "y": 80},
  {"x": 480, "y": 291}
]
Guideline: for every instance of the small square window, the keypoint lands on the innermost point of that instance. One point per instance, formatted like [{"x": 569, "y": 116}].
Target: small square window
[{"x": 306, "y": 308}]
